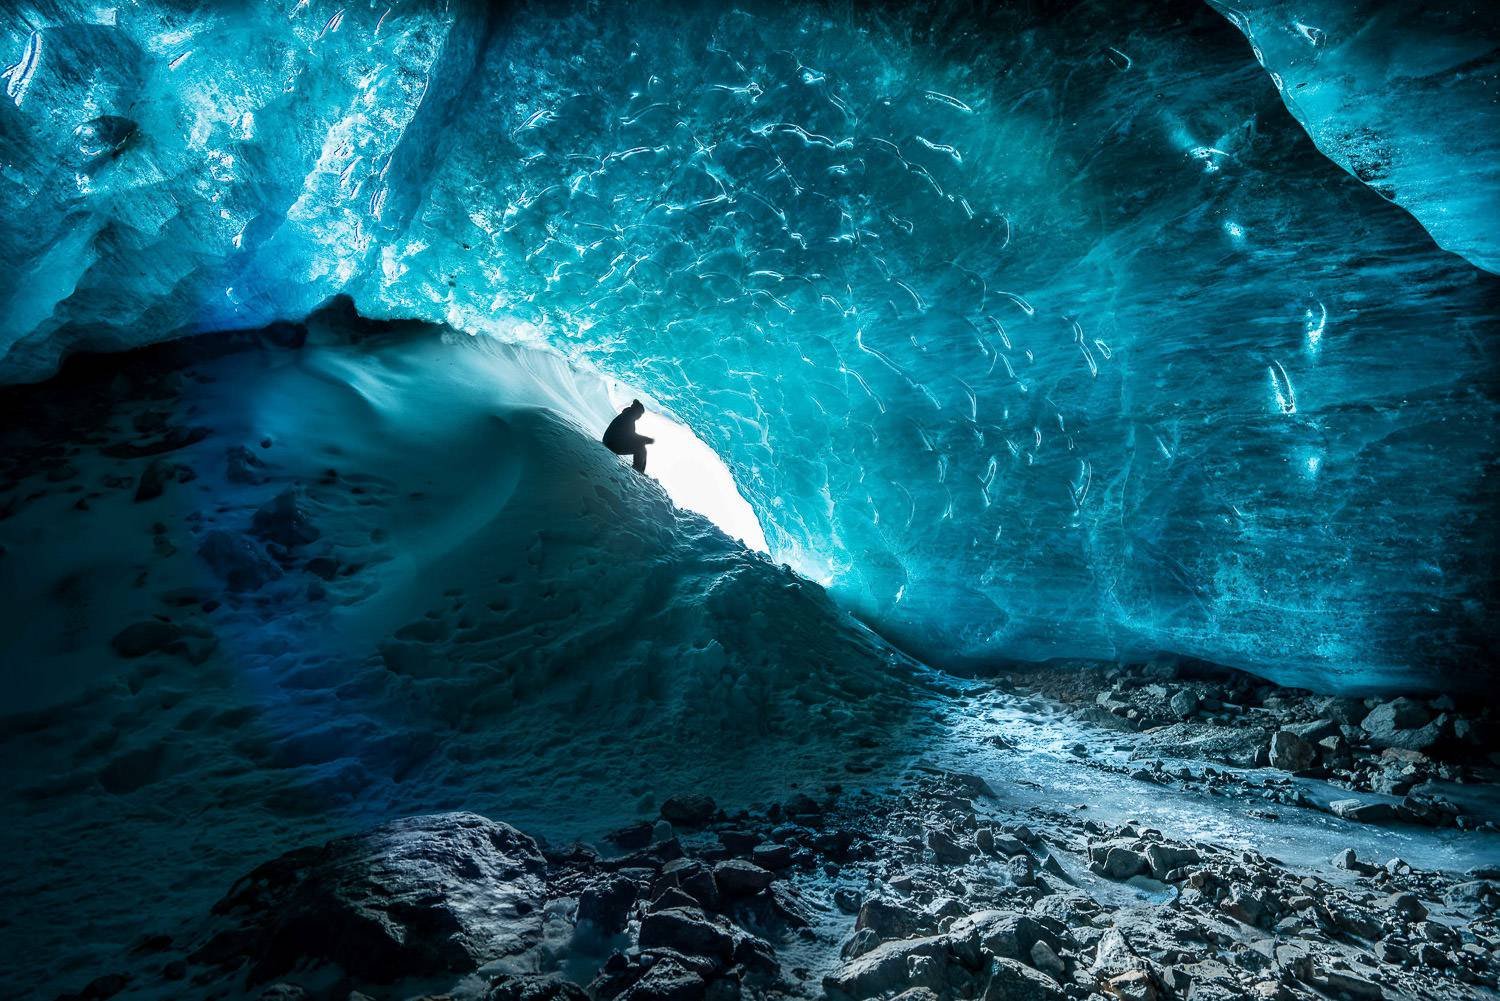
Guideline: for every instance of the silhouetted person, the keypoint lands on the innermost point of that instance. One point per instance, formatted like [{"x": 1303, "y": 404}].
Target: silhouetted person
[{"x": 621, "y": 439}]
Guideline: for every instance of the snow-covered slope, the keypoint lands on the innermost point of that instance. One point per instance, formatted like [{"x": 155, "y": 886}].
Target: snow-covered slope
[{"x": 460, "y": 600}]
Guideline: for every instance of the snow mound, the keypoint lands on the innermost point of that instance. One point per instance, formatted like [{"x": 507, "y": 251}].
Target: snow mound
[{"x": 396, "y": 576}]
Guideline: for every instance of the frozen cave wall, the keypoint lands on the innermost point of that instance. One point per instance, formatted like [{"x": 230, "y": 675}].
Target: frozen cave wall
[{"x": 1046, "y": 332}]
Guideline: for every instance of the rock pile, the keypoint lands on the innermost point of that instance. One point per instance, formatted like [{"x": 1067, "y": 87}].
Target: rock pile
[
  {"x": 933, "y": 891},
  {"x": 1401, "y": 747}
]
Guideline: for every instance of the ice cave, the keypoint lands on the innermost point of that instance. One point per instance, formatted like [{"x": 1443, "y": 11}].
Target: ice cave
[{"x": 596, "y": 500}]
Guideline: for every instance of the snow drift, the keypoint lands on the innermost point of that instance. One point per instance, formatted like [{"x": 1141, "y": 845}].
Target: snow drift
[{"x": 395, "y": 576}]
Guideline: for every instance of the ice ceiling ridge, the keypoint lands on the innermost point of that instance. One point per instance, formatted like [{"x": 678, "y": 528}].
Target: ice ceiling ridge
[{"x": 1031, "y": 336}]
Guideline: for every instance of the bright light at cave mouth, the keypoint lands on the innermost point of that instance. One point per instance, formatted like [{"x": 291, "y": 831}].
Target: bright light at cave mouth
[{"x": 693, "y": 475}]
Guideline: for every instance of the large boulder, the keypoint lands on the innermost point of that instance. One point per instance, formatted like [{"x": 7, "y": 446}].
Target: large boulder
[
  {"x": 1318, "y": 729},
  {"x": 509, "y": 987},
  {"x": 891, "y": 967},
  {"x": 888, "y": 919},
  {"x": 997, "y": 933},
  {"x": 667, "y": 980},
  {"x": 1233, "y": 745},
  {"x": 1403, "y": 723},
  {"x": 1123, "y": 863},
  {"x": 947, "y": 849},
  {"x": 1363, "y": 811},
  {"x": 421, "y": 896},
  {"x": 605, "y": 904}
]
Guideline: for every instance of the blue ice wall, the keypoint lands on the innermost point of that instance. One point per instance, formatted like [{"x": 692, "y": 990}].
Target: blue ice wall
[
  {"x": 1043, "y": 333},
  {"x": 1401, "y": 95}
]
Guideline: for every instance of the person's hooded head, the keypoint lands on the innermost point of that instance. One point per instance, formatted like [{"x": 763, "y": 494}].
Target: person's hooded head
[{"x": 636, "y": 407}]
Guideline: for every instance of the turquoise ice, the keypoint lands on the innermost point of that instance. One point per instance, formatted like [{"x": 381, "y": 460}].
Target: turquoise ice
[{"x": 1037, "y": 338}]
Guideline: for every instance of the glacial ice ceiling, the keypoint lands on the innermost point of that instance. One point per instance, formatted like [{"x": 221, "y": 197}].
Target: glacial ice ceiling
[{"x": 1036, "y": 331}]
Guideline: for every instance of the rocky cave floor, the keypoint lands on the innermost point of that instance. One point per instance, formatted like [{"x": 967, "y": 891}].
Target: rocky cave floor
[{"x": 940, "y": 886}]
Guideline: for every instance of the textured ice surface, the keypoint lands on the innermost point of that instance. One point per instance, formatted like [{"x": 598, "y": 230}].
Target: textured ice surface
[
  {"x": 1047, "y": 335},
  {"x": 1403, "y": 96}
]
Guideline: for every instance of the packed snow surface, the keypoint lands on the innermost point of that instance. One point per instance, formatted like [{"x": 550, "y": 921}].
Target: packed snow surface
[{"x": 1044, "y": 334}]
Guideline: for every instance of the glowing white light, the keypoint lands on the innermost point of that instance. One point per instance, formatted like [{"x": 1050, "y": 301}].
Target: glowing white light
[{"x": 694, "y": 476}]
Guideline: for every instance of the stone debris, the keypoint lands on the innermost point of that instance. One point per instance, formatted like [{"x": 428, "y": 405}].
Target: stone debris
[
  {"x": 688, "y": 916},
  {"x": 1399, "y": 747}
]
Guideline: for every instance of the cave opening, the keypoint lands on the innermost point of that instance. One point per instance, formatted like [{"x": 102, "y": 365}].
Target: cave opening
[{"x": 693, "y": 474}]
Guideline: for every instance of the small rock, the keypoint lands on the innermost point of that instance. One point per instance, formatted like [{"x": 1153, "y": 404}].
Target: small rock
[
  {"x": 947, "y": 849},
  {"x": 1346, "y": 860},
  {"x": 738, "y": 878},
  {"x": 1290, "y": 752},
  {"x": 284, "y": 521},
  {"x": 238, "y": 561},
  {"x": 155, "y": 479},
  {"x": 1184, "y": 703},
  {"x": 1362, "y": 812},
  {"x": 1122, "y": 863},
  {"x": 634, "y": 837},
  {"x": 771, "y": 856},
  {"x": 243, "y": 466},
  {"x": 1046, "y": 960},
  {"x": 688, "y": 931},
  {"x": 688, "y": 811}
]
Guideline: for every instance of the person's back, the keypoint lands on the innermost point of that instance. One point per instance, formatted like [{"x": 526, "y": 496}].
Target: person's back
[{"x": 621, "y": 437}]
